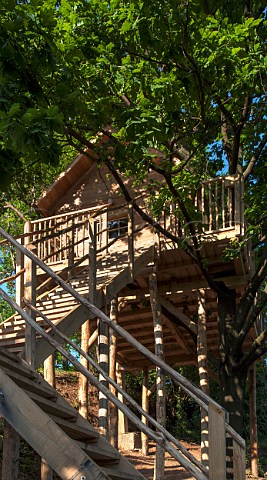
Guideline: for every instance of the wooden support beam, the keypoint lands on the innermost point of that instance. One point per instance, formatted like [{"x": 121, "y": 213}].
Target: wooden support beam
[
  {"x": 30, "y": 296},
  {"x": 160, "y": 376},
  {"x": 145, "y": 406},
  {"x": 113, "y": 411},
  {"x": 253, "y": 421},
  {"x": 122, "y": 419},
  {"x": 184, "y": 344},
  {"x": 184, "y": 319}
]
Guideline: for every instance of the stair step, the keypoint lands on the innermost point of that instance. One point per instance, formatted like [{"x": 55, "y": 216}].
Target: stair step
[
  {"x": 57, "y": 409},
  {"x": 77, "y": 431},
  {"x": 99, "y": 454},
  {"x": 119, "y": 474},
  {"x": 30, "y": 385}
]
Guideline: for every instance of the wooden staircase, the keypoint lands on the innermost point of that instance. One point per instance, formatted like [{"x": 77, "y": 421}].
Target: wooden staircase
[
  {"x": 62, "y": 309},
  {"x": 54, "y": 429}
]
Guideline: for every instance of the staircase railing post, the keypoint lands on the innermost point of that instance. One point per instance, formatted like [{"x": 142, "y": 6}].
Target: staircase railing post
[
  {"x": 92, "y": 259},
  {"x": 131, "y": 240},
  {"x": 20, "y": 278},
  {"x": 217, "y": 443},
  {"x": 30, "y": 296}
]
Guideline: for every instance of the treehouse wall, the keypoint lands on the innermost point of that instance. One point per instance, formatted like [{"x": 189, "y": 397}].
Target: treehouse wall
[{"x": 95, "y": 188}]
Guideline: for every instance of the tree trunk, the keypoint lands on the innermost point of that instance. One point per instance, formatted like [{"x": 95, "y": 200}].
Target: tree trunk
[
  {"x": 11, "y": 442},
  {"x": 232, "y": 379},
  {"x": 253, "y": 422}
]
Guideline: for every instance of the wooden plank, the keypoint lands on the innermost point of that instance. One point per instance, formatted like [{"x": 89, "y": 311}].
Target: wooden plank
[
  {"x": 187, "y": 322},
  {"x": 44, "y": 436},
  {"x": 239, "y": 461},
  {"x": 217, "y": 443}
]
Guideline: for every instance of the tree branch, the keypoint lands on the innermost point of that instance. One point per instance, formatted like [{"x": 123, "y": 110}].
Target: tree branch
[
  {"x": 257, "y": 349},
  {"x": 256, "y": 156},
  {"x": 242, "y": 320}
]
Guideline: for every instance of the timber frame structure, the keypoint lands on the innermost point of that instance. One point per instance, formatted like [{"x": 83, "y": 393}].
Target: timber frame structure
[{"x": 104, "y": 264}]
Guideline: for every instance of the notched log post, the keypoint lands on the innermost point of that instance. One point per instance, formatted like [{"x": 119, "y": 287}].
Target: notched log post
[
  {"x": 145, "y": 406},
  {"x": 202, "y": 358},
  {"x": 83, "y": 381},
  {"x": 160, "y": 376},
  {"x": 113, "y": 411}
]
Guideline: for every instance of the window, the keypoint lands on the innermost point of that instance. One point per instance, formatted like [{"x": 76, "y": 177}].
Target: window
[{"x": 117, "y": 228}]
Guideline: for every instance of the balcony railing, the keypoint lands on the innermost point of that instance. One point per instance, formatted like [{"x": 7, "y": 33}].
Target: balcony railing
[{"x": 68, "y": 237}]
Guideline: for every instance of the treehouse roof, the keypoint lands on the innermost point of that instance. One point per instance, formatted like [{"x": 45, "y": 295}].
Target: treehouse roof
[{"x": 63, "y": 182}]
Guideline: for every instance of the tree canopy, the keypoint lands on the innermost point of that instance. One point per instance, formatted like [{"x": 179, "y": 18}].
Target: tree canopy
[{"x": 182, "y": 81}]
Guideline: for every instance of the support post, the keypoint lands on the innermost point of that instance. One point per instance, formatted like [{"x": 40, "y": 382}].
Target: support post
[
  {"x": 11, "y": 444},
  {"x": 83, "y": 381},
  {"x": 160, "y": 377},
  {"x": 92, "y": 260},
  {"x": 50, "y": 377},
  {"x": 103, "y": 355},
  {"x": 113, "y": 411},
  {"x": 20, "y": 279},
  {"x": 145, "y": 406},
  {"x": 253, "y": 421},
  {"x": 131, "y": 241},
  {"x": 122, "y": 419},
  {"x": 30, "y": 295},
  {"x": 217, "y": 444},
  {"x": 202, "y": 358}
]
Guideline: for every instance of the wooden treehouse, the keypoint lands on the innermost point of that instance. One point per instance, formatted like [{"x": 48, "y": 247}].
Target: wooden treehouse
[{"x": 92, "y": 249}]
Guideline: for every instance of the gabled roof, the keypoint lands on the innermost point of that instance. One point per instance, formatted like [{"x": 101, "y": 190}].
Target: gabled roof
[
  {"x": 81, "y": 164},
  {"x": 50, "y": 198}
]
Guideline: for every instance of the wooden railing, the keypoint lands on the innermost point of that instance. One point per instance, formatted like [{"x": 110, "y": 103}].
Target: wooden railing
[
  {"x": 221, "y": 204},
  {"x": 219, "y": 208},
  {"x": 217, "y": 417}
]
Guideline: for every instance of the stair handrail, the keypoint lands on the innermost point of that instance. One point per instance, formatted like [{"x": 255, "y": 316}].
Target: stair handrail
[
  {"x": 112, "y": 382},
  {"x": 200, "y": 397}
]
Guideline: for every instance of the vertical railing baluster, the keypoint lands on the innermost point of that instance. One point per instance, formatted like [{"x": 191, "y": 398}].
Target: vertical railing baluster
[
  {"x": 210, "y": 207},
  {"x": 130, "y": 241},
  {"x": 216, "y": 207},
  {"x": 223, "y": 203},
  {"x": 92, "y": 259}
]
